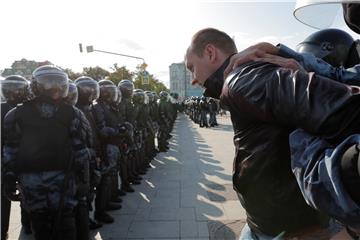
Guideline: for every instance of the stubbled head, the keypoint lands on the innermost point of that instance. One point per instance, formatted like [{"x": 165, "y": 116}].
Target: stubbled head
[{"x": 208, "y": 50}]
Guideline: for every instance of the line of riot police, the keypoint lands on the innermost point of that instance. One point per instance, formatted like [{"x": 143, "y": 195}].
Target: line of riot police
[
  {"x": 197, "y": 108},
  {"x": 65, "y": 145}
]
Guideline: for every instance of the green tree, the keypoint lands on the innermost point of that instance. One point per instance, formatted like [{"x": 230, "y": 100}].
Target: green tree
[
  {"x": 153, "y": 83},
  {"x": 96, "y": 73},
  {"x": 120, "y": 73},
  {"x": 71, "y": 74}
]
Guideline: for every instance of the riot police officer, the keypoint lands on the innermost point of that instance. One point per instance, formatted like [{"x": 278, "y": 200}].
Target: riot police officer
[
  {"x": 13, "y": 91},
  {"x": 128, "y": 109},
  {"x": 203, "y": 112},
  {"x": 44, "y": 151},
  {"x": 164, "y": 121},
  {"x": 141, "y": 120},
  {"x": 109, "y": 132},
  {"x": 89, "y": 91},
  {"x": 212, "y": 112}
]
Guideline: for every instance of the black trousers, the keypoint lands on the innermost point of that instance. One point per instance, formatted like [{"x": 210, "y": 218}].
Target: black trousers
[
  {"x": 82, "y": 220},
  {"x": 5, "y": 215},
  {"x": 45, "y": 227}
]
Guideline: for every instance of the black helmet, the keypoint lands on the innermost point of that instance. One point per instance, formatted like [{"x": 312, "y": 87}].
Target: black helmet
[
  {"x": 119, "y": 97},
  {"x": 150, "y": 96},
  {"x": 126, "y": 87},
  {"x": 164, "y": 96},
  {"x": 174, "y": 95},
  {"x": 72, "y": 97},
  {"x": 14, "y": 88},
  {"x": 50, "y": 82},
  {"x": 351, "y": 15},
  {"x": 108, "y": 91},
  {"x": 331, "y": 45},
  {"x": 156, "y": 97},
  {"x": 138, "y": 96},
  {"x": 88, "y": 89}
]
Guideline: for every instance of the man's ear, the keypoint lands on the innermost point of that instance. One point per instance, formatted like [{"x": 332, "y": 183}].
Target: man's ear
[{"x": 210, "y": 51}]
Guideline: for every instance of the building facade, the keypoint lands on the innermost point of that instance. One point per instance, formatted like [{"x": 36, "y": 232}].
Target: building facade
[
  {"x": 180, "y": 81},
  {"x": 23, "y": 67}
]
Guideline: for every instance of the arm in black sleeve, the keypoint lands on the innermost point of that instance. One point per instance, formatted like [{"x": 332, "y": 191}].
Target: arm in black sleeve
[
  {"x": 104, "y": 130},
  {"x": 304, "y": 100}
]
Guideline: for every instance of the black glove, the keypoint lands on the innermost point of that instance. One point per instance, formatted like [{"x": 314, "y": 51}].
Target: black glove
[
  {"x": 350, "y": 172},
  {"x": 122, "y": 130},
  {"x": 10, "y": 187}
]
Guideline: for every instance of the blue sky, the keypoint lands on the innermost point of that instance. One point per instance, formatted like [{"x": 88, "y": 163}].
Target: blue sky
[{"x": 157, "y": 30}]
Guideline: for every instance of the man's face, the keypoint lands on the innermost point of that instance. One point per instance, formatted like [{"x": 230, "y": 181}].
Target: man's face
[{"x": 200, "y": 67}]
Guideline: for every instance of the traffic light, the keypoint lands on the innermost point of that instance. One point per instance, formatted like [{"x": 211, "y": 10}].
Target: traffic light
[{"x": 80, "y": 46}]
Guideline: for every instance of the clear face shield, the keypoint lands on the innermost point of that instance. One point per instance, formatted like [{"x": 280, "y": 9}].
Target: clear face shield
[
  {"x": 12, "y": 90},
  {"x": 53, "y": 86},
  {"x": 72, "y": 97},
  {"x": 109, "y": 93},
  {"x": 320, "y": 13},
  {"x": 89, "y": 90}
]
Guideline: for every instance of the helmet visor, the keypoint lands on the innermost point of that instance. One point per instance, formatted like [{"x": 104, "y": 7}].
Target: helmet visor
[
  {"x": 319, "y": 13},
  {"x": 72, "y": 96},
  {"x": 54, "y": 86},
  {"x": 89, "y": 90},
  {"x": 12, "y": 90},
  {"x": 109, "y": 93}
]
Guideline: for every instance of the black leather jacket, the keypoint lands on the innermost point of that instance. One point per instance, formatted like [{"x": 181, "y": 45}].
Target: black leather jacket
[{"x": 266, "y": 103}]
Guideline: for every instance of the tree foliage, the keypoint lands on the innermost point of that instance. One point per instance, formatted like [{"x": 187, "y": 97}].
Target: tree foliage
[
  {"x": 96, "y": 73},
  {"x": 71, "y": 74},
  {"x": 152, "y": 84},
  {"x": 119, "y": 73}
]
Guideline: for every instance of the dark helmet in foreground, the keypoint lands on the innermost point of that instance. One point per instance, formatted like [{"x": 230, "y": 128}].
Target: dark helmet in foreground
[
  {"x": 108, "y": 91},
  {"x": 138, "y": 96},
  {"x": 14, "y": 88},
  {"x": 88, "y": 89},
  {"x": 164, "y": 95},
  {"x": 72, "y": 97},
  {"x": 126, "y": 87},
  {"x": 331, "y": 45},
  {"x": 49, "y": 82}
]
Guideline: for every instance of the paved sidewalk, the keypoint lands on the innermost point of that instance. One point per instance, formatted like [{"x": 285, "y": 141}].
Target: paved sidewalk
[{"x": 186, "y": 195}]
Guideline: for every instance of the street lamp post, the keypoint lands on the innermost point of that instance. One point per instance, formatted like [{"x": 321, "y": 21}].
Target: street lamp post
[
  {"x": 145, "y": 76},
  {"x": 90, "y": 49},
  {"x": 185, "y": 81}
]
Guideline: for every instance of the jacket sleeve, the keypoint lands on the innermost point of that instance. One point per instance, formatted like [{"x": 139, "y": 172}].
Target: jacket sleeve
[
  {"x": 311, "y": 63},
  {"x": 267, "y": 93},
  {"x": 12, "y": 136},
  {"x": 316, "y": 165},
  {"x": 104, "y": 131},
  {"x": 78, "y": 128}
]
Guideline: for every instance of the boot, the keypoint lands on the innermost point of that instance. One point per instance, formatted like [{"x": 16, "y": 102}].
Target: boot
[
  {"x": 116, "y": 200},
  {"x": 103, "y": 217},
  {"x": 121, "y": 193},
  {"x": 134, "y": 182},
  {"x": 112, "y": 206},
  {"x": 127, "y": 188},
  {"x": 94, "y": 224}
]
